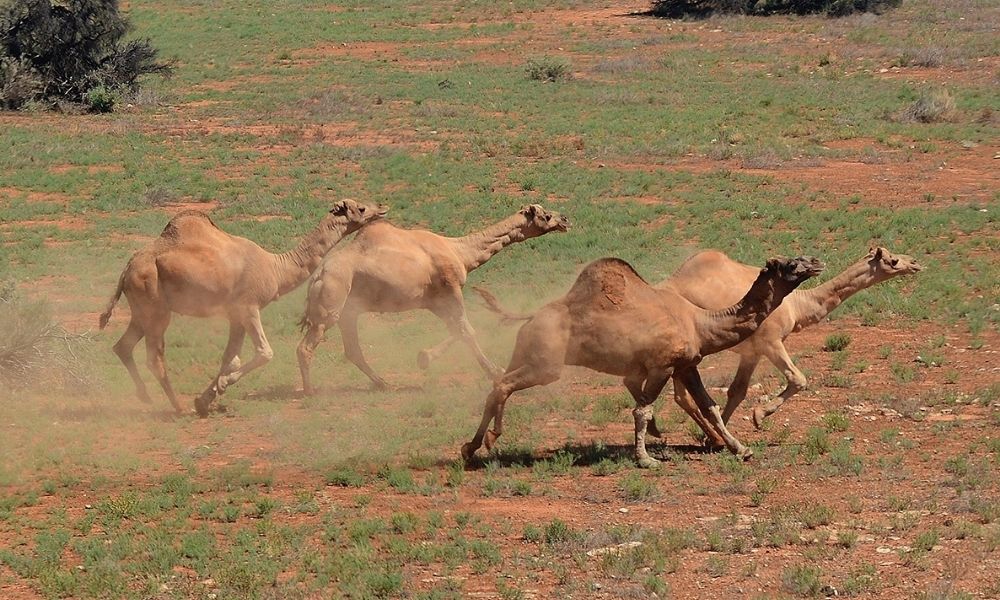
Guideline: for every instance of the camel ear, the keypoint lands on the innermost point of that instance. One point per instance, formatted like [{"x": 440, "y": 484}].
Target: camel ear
[
  {"x": 339, "y": 208},
  {"x": 877, "y": 255},
  {"x": 529, "y": 210}
]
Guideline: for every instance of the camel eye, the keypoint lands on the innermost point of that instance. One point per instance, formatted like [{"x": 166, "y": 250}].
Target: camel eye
[{"x": 895, "y": 262}]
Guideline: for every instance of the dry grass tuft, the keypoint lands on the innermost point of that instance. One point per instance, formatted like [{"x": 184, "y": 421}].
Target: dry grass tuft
[
  {"x": 934, "y": 107},
  {"x": 34, "y": 349}
]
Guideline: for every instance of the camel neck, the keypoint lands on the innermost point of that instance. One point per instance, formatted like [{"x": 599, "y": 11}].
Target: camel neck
[
  {"x": 477, "y": 248},
  {"x": 294, "y": 267},
  {"x": 722, "y": 329},
  {"x": 810, "y": 306}
]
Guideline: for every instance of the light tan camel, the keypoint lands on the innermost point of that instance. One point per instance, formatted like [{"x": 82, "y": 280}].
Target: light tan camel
[
  {"x": 388, "y": 269},
  {"x": 196, "y": 269},
  {"x": 710, "y": 279},
  {"x": 612, "y": 321}
]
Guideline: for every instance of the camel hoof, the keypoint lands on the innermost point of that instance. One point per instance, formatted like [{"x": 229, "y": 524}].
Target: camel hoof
[
  {"x": 648, "y": 462},
  {"x": 424, "y": 359},
  {"x": 745, "y": 453},
  {"x": 380, "y": 385},
  {"x": 758, "y": 418},
  {"x": 468, "y": 451},
  {"x": 491, "y": 439},
  {"x": 201, "y": 404},
  {"x": 714, "y": 445}
]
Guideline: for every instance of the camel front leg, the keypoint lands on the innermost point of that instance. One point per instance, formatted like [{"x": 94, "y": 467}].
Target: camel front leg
[
  {"x": 230, "y": 356},
  {"x": 643, "y": 411},
  {"x": 710, "y": 410},
  {"x": 352, "y": 349},
  {"x": 683, "y": 399},
  {"x": 262, "y": 355},
  {"x": 796, "y": 382},
  {"x": 428, "y": 355}
]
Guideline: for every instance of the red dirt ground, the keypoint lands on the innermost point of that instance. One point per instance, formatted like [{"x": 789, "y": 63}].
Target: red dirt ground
[{"x": 588, "y": 502}]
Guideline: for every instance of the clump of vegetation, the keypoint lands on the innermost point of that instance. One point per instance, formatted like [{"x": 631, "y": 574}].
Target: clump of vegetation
[
  {"x": 802, "y": 580},
  {"x": 34, "y": 349},
  {"x": 704, "y": 8},
  {"x": 931, "y": 107},
  {"x": 70, "y": 52},
  {"x": 836, "y": 342},
  {"x": 548, "y": 69}
]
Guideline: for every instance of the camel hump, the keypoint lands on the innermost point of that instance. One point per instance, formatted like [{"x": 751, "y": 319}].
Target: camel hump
[
  {"x": 605, "y": 281},
  {"x": 609, "y": 265},
  {"x": 185, "y": 220}
]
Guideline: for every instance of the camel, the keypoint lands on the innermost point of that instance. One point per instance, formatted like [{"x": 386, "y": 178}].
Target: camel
[
  {"x": 614, "y": 322},
  {"x": 388, "y": 269},
  {"x": 196, "y": 269},
  {"x": 710, "y": 279}
]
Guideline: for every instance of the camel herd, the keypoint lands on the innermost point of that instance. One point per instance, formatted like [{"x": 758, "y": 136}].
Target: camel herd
[{"x": 611, "y": 320}]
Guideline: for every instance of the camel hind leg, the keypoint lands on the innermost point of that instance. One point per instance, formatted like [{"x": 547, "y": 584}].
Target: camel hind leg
[
  {"x": 538, "y": 359},
  {"x": 155, "y": 356},
  {"x": 778, "y": 356},
  {"x": 452, "y": 312},
  {"x": 325, "y": 298},
  {"x": 124, "y": 348},
  {"x": 306, "y": 352}
]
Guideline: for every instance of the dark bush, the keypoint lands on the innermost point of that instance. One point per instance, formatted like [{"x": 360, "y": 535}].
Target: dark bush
[
  {"x": 704, "y": 8},
  {"x": 59, "y": 52}
]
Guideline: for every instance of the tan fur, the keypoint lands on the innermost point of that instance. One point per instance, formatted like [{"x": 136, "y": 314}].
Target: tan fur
[
  {"x": 196, "y": 269},
  {"x": 612, "y": 321},
  {"x": 388, "y": 269},
  {"x": 711, "y": 279}
]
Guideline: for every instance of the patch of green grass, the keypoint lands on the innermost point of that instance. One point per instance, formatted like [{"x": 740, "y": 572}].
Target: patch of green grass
[
  {"x": 836, "y": 342},
  {"x": 836, "y": 421},
  {"x": 902, "y": 373},
  {"x": 345, "y": 478},
  {"x": 802, "y": 580},
  {"x": 637, "y": 488}
]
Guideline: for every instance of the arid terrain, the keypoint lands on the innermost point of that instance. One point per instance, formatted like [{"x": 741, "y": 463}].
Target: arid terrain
[{"x": 758, "y": 136}]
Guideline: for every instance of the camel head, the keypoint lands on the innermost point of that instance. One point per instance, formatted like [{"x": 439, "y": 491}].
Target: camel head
[
  {"x": 793, "y": 270},
  {"x": 886, "y": 264},
  {"x": 355, "y": 214},
  {"x": 542, "y": 221}
]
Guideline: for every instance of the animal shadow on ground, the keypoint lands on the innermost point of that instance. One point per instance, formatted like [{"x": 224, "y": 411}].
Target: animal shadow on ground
[
  {"x": 583, "y": 455},
  {"x": 282, "y": 393},
  {"x": 84, "y": 413}
]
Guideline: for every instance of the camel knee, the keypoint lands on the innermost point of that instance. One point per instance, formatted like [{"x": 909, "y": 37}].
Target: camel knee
[
  {"x": 265, "y": 355},
  {"x": 796, "y": 383},
  {"x": 122, "y": 351},
  {"x": 305, "y": 352}
]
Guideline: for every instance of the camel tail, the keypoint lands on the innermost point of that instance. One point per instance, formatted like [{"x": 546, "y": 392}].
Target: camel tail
[
  {"x": 506, "y": 317},
  {"x": 304, "y": 323},
  {"x": 106, "y": 315}
]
